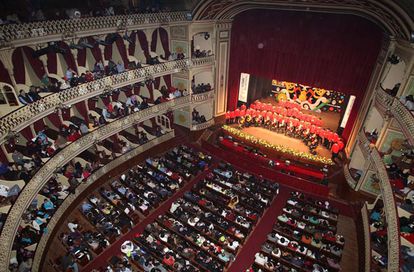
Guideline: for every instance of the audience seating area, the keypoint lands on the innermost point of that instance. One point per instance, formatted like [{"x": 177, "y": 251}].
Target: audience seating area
[
  {"x": 120, "y": 204},
  {"x": 202, "y": 231},
  {"x": 304, "y": 238}
]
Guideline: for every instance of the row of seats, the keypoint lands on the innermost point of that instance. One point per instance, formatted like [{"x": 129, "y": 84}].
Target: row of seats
[
  {"x": 122, "y": 203},
  {"x": 205, "y": 229},
  {"x": 299, "y": 243}
]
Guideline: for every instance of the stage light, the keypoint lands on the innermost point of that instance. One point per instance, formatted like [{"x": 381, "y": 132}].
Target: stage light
[
  {"x": 277, "y": 164},
  {"x": 260, "y": 45}
]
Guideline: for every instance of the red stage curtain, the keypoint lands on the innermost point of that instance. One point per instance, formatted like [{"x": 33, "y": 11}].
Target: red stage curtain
[
  {"x": 330, "y": 51},
  {"x": 4, "y": 74},
  {"x": 142, "y": 38},
  {"x": 52, "y": 62},
  {"x": 164, "y": 42}
]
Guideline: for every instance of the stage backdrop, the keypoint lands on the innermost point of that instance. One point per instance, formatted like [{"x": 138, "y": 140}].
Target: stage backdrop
[{"x": 334, "y": 51}]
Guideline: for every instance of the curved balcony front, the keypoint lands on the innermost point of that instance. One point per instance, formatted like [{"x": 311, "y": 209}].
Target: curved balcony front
[
  {"x": 15, "y": 35},
  {"x": 394, "y": 107},
  {"x": 370, "y": 152},
  {"x": 26, "y": 115}
]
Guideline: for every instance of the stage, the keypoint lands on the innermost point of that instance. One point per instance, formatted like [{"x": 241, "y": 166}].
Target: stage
[
  {"x": 286, "y": 141},
  {"x": 293, "y": 147}
]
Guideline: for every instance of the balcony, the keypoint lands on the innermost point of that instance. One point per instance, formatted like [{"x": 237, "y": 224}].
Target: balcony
[
  {"x": 24, "y": 116},
  {"x": 85, "y": 185},
  {"x": 348, "y": 176},
  {"x": 202, "y": 97},
  {"x": 202, "y": 126},
  {"x": 15, "y": 35},
  {"x": 32, "y": 188},
  {"x": 394, "y": 106},
  {"x": 203, "y": 61},
  {"x": 387, "y": 195}
]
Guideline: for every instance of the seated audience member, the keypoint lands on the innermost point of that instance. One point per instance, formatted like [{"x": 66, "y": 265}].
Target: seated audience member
[{"x": 24, "y": 98}]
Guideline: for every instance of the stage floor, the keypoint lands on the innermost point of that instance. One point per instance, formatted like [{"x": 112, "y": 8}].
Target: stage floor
[{"x": 281, "y": 139}]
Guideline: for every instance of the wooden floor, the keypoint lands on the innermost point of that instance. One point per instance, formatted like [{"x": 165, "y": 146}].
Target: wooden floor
[{"x": 350, "y": 260}]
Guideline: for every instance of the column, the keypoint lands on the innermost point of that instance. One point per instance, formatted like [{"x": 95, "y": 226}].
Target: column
[{"x": 222, "y": 53}]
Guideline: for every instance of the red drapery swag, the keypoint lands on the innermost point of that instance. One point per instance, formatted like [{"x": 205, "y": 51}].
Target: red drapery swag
[
  {"x": 82, "y": 57},
  {"x": 39, "y": 125},
  {"x": 154, "y": 39},
  {"x": 81, "y": 107},
  {"x": 4, "y": 74},
  {"x": 91, "y": 104},
  {"x": 18, "y": 67},
  {"x": 167, "y": 80},
  {"x": 54, "y": 119},
  {"x": 96, "y": 51},
  {"x": 122, "y": 50},
  {"x": 35, "y": 63},
  {"x": 336, "y": 52},
  {"x": 52, "y": 62},
  {"x": 143, "y": 42},
  {"x": 68, "y": 56},
  {"x": 164, "y": 42}
]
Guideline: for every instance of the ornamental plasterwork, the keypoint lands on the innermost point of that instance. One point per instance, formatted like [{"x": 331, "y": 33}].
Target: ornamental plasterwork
[{"x": 390, "y": 15}]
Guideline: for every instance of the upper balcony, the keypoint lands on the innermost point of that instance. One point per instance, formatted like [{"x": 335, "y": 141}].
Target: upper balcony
[
  {"x": 394, "y": 107},
  {"x": 24, "y": 116},
  {"x": 15, "y": 35}
]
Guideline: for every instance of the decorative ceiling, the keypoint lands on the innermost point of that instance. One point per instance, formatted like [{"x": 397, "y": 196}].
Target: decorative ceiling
[{"x": 395, "y": 17}]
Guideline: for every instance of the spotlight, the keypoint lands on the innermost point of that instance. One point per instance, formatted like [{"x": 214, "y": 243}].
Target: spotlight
[
  {"x": 394, "y": 59},
  {"x": 206, "y": 36}
]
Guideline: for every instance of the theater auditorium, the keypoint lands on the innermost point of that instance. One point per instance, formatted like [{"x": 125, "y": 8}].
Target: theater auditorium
[{"x": 207, "y": 135}]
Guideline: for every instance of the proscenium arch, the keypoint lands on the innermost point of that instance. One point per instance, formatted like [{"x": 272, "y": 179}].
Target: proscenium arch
[{"x": 385, "y": 13}]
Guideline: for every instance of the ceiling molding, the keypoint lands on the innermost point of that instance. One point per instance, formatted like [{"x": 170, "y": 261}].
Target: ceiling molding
[{"x": 386, "y": 13}]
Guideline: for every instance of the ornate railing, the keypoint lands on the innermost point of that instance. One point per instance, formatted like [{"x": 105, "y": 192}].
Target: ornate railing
[
  {"x": 41, "y": 246},
  {"x": 349, "y": 179},
  {"x": 21, "y": 34},
  {"x": 367, "y": 238},
  {"x": 389, "y": 205},
  {"x": 364, "y": 144},
  {"x": 403, "y": 116},
  {"x": 32, "y": 188},
  {"x": 203, "y": 61},
  {"x": 202, "y": 97},
  {"x": 24, "y": 116},
  {"x": 202, "y": 126}
]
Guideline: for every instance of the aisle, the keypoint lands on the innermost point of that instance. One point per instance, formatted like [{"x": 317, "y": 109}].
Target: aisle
[
  {"x": 114, "y": 249},
  {"x": 259, "y": 235}
]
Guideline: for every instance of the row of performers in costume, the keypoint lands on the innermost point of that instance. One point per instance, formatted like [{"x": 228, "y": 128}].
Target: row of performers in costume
[
  {"x": 310, "y": 134},
  {"x": 286, "y": 109}
]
